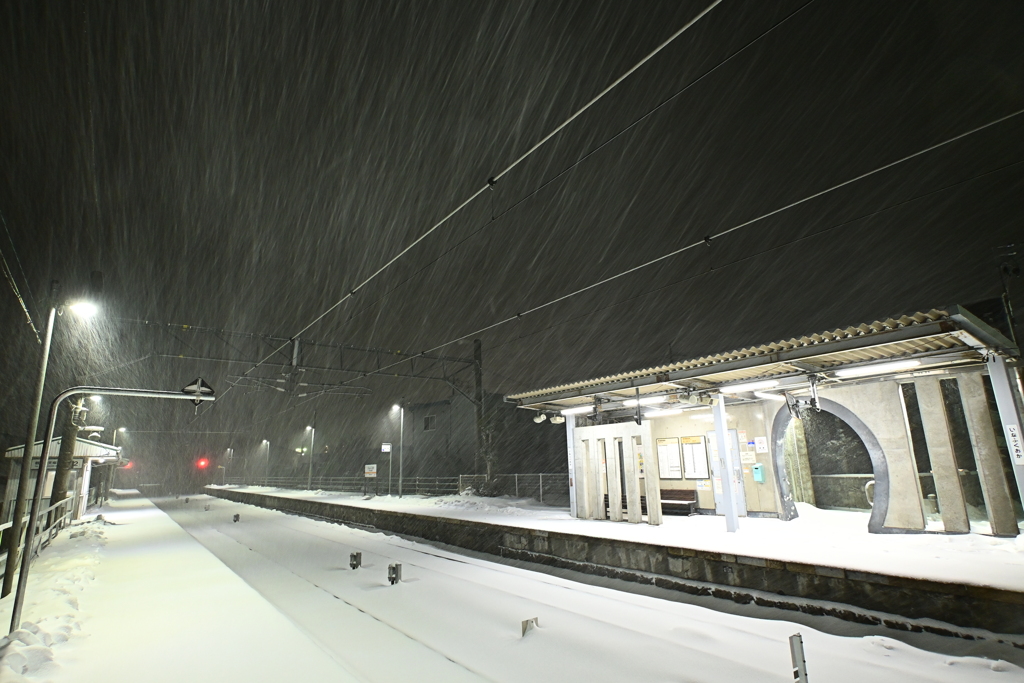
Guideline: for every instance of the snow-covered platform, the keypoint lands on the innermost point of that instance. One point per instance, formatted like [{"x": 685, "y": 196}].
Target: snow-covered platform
[{"x": 969, "y": 581}]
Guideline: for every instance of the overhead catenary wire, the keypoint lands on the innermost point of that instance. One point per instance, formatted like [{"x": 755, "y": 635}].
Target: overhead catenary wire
[
  {"x": 17, "y": 295},
  {"x": 506, "y": 211},
  {"x": 719, "y": 268},
  {"x": 491, "y": 181},
  {"x": 701, "y": 242},
  {"x": 756, "y": 254}
]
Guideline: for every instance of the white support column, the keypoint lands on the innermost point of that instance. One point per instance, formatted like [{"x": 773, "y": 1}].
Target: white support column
[
  {"x": 652, "y": 475},
  {"x": 629, "y": 466},
  {"x": 725, "y": 465},
  {"x": 595, "y": 502},
  {"x": 613, "y": 479},
  {"x": 1004, "y": 386},
  {"x": 570, "y": 442}
]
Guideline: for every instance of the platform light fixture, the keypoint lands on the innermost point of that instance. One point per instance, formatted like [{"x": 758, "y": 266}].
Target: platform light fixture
[
  {"x": 557, "y": 419},
  {"x": 578, "y": 410},
  {"x": 644, "y": 401},
  {"x": 770, "y": 397},
  {"x": 878, "y": 368},
  {"x": 664, "y": 414},
  {"x": 539, "y": 417},
  {"x": 749, "y": 386}
]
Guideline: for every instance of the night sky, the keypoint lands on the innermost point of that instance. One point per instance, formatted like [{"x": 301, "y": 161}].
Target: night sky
[{"x": 241, "y": 166}]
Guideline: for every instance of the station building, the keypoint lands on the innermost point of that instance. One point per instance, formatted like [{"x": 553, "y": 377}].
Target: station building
[
  {"x": 915, "y": 420},
  {"x": 91, "y": 467}
]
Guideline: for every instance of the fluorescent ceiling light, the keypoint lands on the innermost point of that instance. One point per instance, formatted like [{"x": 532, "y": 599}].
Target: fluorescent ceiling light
[
  {"x": 578, "y": 410},
  {"x": 770, "y": 397},
  {"x": 749, "y": 386},
  {"x": 664, "y": 413},
  {"x": 645, "y": 401},
  {"x": 877, "y": 368}
]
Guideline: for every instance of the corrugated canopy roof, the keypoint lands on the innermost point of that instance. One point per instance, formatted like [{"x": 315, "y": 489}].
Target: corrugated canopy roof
[{"x": 935, "y": 332}]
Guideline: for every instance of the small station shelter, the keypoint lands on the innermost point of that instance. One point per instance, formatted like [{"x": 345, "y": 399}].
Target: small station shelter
[
  {"x": 915, "y": 420},
  {"x": 92, "y": 465}
]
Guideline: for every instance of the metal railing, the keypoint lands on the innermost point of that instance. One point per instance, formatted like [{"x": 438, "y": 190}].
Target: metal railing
[
  {"x": 412, "y": 486},
  {"x": 547, "y": 488},
  {"x": 49, "y": 523}
]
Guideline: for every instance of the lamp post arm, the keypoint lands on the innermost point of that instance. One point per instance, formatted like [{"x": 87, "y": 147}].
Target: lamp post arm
[{"x": 30, "y": 535}]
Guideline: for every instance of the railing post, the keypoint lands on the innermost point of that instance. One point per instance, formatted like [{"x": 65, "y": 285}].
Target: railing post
[
  {"x": 540, "y": 487},
  {"x": 517, "y": 484}
]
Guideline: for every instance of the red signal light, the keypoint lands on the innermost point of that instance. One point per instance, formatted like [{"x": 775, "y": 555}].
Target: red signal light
[
  {"x": 129, "y": 465},
  {"x": 202, "y": 463}
]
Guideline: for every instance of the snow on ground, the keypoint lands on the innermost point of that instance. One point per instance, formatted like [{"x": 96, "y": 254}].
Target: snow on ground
[
  {"x": 139, "y": 600},
  {"x": 822, "y": 537},
  {"x": 271, "y": 598}
]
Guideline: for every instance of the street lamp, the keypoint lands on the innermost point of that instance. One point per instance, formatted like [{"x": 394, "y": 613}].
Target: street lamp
[
  {"x": 85, "y": 309},
  {"x": 312, "y": 440},
  {"x": 119, "y": 430},
  {"x": 400, "y": 407},
  {"x": 266, "y": 466},
  {"x": 202, "y": 392}
]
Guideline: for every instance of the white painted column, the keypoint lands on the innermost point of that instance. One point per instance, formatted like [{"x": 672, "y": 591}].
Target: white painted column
[
  {"x": 725, "y": 465},
  {"x": 1004, "y": 387},
  {"x": 652, "y": 475},
  {"x": 994, "y": 487},
  {"x": 582, "y": 481},
  {"x": 570, "y": 443},
  {"x": 613, "y": 480},
  {"x": 629, "y": 466},
  {"x": 595, "y": 504},
  {"x": 941, "y": 457}
]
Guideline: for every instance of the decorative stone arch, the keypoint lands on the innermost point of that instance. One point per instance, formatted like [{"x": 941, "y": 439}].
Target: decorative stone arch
[{"x": 876, "y": 523}]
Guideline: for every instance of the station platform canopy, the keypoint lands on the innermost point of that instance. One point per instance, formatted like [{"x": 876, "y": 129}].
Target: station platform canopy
[{"x": 924, "y": 343}]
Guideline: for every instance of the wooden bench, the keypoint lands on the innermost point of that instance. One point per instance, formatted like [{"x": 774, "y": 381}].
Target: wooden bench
[
  {"x": 673, "y": 502},
  {"x": 678, "y": 501}
]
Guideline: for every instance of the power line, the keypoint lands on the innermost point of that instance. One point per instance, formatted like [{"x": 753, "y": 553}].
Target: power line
[
  {"x": 755, "y": 255},
  {"x": 496, "y": 217},
  {"x": 491, "y": 181},
  {"x": 17, "y": 294},
  {"x": 709, "y": 238},
  {"x": 28, "y": 286}
]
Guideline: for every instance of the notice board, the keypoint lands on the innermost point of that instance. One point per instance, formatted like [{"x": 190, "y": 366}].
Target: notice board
[
  {"x": 695, "y": 458},
  {"x": 669, "y": 465}
]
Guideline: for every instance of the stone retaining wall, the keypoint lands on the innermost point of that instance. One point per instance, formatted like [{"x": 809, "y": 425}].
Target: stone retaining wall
[{"x": 785, "y": 585}]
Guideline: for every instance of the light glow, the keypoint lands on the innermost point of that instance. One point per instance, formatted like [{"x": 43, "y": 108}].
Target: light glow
[
  {"x": 645, "y": 401},
  {"x": 578, "y": 410},
  {"x": 95, "y": 399},
  {"x": 878, "y": 368},
  {"x": 202, "y": 463},
  {"x": 749, "y": 386},
  {"x": 85, "y": 309},
  {"x": 664, "y": 413},
  {"x": 770, "y": 397}
]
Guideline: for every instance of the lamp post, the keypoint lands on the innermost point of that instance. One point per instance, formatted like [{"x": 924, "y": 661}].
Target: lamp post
[
  {"x": 400, "y": 407},
  {"x": 85, "y": 310},
  {"x": 201, "y": 392},
  {"x": 266, "y": 464},
  {"x": 312, "y": 440}
]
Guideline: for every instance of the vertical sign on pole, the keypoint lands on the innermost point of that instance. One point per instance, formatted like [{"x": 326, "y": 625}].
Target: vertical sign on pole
[
  {"x": 386, "y": 448},
  {"x": 1003, "y": 390}
]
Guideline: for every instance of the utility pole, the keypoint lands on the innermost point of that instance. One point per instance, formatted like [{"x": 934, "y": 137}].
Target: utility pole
[
  {"x": 312, "y": 440},
  {"x": 66, "y": 455},
  {"x": 21, "y": 502},
  {"x": 478, "y": 393}
]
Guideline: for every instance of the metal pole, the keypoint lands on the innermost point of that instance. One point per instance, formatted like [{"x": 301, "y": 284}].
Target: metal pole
[
  {"x": 37, "y": 500},
  {"x": 312, "y": 439},
  {"x": 14, "y": 533},
  {"x": 541, "y": 488},
  {"x": 266, "y": 466},
  {"x": 401, "y": 447},
  {"x": 391, "y": 459}
]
